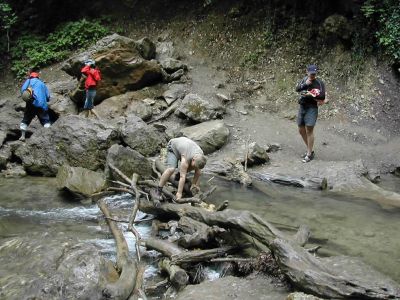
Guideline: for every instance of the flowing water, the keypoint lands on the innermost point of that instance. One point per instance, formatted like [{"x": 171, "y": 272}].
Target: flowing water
[{"x": 33, "y": 211}]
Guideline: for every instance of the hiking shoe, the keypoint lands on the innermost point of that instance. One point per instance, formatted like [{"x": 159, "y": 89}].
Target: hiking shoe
[
  {"x": 305, "y": 154},
  {"x": 158, "y": 194},
  {"x": 308, "y": 158}
]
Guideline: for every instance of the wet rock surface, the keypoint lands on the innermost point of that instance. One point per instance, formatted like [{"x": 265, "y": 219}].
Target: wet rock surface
[
  {"x": 227, "y": 288},
  {"x": 75, "y": 140},
  {"x": 79, "y": 180}
]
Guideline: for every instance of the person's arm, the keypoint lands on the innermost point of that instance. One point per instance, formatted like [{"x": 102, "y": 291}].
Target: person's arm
[
  {"x": 96, "y": 74},
  {"x": 302, "y": 85},
  {"x": 195, "y": 187},
  {"x": 321, "y": 95},
  {"x": 47, "y": 93},
  {"x": 195, "y": 181},
  {"x": 183, "y": 171},
  {"x": 85, "y": 70},
  {"x": 25, "y": 86}
]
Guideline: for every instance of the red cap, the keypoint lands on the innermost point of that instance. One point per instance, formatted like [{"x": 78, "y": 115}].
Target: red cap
[{"x": 34, "y": 75}]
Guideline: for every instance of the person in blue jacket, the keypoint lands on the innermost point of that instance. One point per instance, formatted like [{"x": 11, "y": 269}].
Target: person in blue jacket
[{"x": 38, "y": 107}]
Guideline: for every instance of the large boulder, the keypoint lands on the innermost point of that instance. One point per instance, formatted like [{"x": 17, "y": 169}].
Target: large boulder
[
  {"x": 141, "y": 137},
  {"x": 62, "y": 105},
  {"x": 80, "y": 180},
  {"x": 210, "y": 136},
  {"x": 75, "y": 140},
  {"x": 125, "y": 104},
  {"x": 68, "y": 270},
  {"x": 128, "y": 161},
  {"x": 230, "y": 169},
  {"x": 199, "y": 110},
  {"x": 122, "y": 66}
]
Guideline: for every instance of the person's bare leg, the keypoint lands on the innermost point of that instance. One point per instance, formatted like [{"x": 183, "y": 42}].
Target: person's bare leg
[
  {"x": 302, "y": 131},
  {"x": 310, "y": 139},
  {"x": 165, "y": 176},
  {"x": 95, "y": 113}
]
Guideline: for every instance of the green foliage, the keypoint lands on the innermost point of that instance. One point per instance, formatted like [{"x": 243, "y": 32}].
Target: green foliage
[
  {"x": 384, "y": 18},
  {"x": 35, "y": 51},
  {"x": 7, "y": 20},
  {"x": 7, "y": 16}
]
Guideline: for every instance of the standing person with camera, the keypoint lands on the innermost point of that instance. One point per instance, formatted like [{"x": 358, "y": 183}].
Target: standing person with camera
[
  {"x": 312, "y": 94},
  {"x": 93, "y": 76},
  {"x": 36, "y": 95}
]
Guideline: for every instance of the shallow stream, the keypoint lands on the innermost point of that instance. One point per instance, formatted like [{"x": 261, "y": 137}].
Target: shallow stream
[{"x": 33, "y": 211}]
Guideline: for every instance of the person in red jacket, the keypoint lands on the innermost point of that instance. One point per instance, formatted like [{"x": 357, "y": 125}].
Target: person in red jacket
[{"x": 93, "y": 76}]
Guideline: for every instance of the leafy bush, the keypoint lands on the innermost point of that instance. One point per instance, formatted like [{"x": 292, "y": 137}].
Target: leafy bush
[
  {"x": 36, "y": 51},
  {"x": 384, "y": 18}
]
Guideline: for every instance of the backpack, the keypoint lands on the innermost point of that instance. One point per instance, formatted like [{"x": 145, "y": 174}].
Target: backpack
[{"x": 27, "y": 95}]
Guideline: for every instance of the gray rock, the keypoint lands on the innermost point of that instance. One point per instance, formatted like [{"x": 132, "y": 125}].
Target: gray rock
[
  {"x": 274, "y": 147},
  {"x": 256, "y": 155},
  {"x": 128, "y": 161},
  {"x": 80, "y": 180},
  {"x": 165, "y": 50},
  {"x": 172, "y": 65},
  {"x": 5, "y": 156},
  {"x": 227, "y": 288},
  {"x": 146, "y": 48},
  {"x": 123, "y": 105},
  {"x": 3, "y": 135},
  {"x": 301, "y": 296},
  {"x": 141, "y": 137},
  {"x": 13, "y": 170},
  {"x": 174, "y": 93},
  {"x": 77, "y": 141},
  {"x": 122, "y": 67},
  {"x": 197, "y": 109},
  {"x": 142, "y": 109},
  {"x": 210, "y": 136},
  {"x": 62, "y": 105},
  {"x": 62, "y": 87},
  {"x": 230, "y": 169}
]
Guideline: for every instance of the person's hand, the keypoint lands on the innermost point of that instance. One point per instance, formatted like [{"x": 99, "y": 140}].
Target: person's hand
[
  {"x": 308, "y": 81},
  {"x": 178, "y": 196},
  {"x": 309, "y": 94},
  {"x": 194, "y": 189}
]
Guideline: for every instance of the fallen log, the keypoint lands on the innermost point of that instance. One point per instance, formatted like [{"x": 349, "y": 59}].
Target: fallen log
[
  {"x": 243, "y": 221},
  {"x": 123, "y": 287},
  {"x": 197, "y": 234},
  {"x": 177, "y": 276},
  {"x": 180, "y": 256},
  {"x": 332, "y": 277}
]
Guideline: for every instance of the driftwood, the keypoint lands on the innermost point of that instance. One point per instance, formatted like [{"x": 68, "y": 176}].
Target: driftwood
[
  {"x": 179, "y": 256},
  {"x": 335, "y": 277},
  {"x": 243, "y": 221},
  {"x": 126, "y": 282},
  {"x": 197, "y": 234},
  {"x": 313, "y": 183},
  {"x": 177, "y": 276},
  {"x": 332, "y": 277}
]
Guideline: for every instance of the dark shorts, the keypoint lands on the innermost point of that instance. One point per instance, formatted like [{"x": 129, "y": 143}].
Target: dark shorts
[
  {"x": 307, "y": 115},
  {"x": 32, "y": 111}
]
